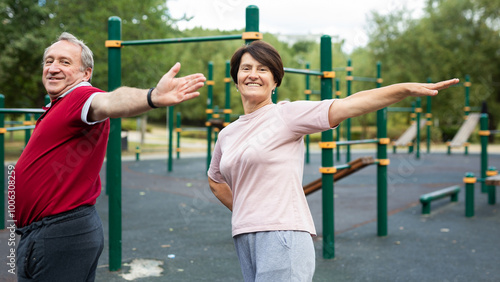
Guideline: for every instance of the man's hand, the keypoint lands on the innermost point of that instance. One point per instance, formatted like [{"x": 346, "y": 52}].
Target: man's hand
[{"x": 172, "y": 91}]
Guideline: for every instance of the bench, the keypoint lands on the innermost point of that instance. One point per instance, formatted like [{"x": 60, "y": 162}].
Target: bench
[{"x": 426, "y": 199}]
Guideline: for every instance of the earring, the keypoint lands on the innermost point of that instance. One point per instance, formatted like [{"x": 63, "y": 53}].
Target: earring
[{"x": 274, "y": 91}]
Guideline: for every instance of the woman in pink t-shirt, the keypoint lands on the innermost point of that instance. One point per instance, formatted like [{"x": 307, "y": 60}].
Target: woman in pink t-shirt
[{"x": 257, "y": 164}]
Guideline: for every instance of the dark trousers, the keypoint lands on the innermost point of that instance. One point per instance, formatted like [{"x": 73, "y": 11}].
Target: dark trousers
[{"x": 64, "y": 247}]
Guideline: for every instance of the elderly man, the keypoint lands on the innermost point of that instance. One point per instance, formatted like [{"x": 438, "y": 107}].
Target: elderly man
[{"x": 57, "y": 175}]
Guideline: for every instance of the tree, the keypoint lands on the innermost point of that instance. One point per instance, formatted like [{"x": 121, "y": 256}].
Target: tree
[
  {"x": 452, "y": 39},
  {"x": 24, "y": 31}
]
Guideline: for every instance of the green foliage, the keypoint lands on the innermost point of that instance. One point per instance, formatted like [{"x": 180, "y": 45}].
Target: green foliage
[
  {"x": 24, "y": 31},
  {"x": 452, "y": 39}
]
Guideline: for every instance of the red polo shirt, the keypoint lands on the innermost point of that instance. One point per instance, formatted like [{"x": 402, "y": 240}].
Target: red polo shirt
[{"x": 59, "y": 168}]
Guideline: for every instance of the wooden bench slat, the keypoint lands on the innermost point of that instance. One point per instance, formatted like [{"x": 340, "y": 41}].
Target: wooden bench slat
[{"x": 493, "y": 180}]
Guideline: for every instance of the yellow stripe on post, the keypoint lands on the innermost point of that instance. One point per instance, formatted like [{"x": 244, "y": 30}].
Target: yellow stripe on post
[
  {"x": 3, "y": 130},
  {"x": 308, "y": 92},
  {"x": 328, "y": 74},
  {"x": 252, "y": 35},
  {"x": 491, "y": 172},
  {"x": 227, "y": 79},
  {"x": 210, "y": 82},
  {"x": 328, "y": 170},
  {"x": 470, "y": 180},
  {"x": 484, "y": 133},
  {"x": 113, "y": 43},
  {"x": 384, "y": 162},
  {"x": 384, "y": 141},
  {"x": 327, "y": 145}
]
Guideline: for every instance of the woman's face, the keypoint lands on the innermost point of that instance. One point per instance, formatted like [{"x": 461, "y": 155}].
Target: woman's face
[{"x": 255, "y": 81}]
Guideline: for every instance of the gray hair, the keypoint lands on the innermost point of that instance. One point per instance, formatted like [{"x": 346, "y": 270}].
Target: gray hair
[{"x": 87, "y": 57}]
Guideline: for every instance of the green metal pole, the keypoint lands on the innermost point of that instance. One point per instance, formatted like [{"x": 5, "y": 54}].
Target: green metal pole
[
  {"x": 2, "y": 157},
  {"x": 227, "y": 108},
  {"x": 252, "y": 20},
  {"x": 492, "y": 197},
  {"x": 419, "y": 111},
  {"x": 137, "y": 153},
  {"x": 382, "y": 165},
  {"x": 274, "y": 97},
  {"x": 170, "y": 136},
  {"x": 466, "y": 108},
  {"x": 27, "y": 132},
  {"x": 113, "y": 164},
  {"x": 413, "y": 116},
  {"x": 467, "y": 95},
  {"x": 429, "y": 119},
  {"x": 308, "y": 97},
  {"x": 210, "y": 104},
  {"x": 178, "y": 135},
  {"x": 469, "y": 181},
  {"x": 484, "y": 135},
  {"x": 348, "y": 121},
  {"x": 327, "y": 156},
  {"x": 337, "y": 135}
]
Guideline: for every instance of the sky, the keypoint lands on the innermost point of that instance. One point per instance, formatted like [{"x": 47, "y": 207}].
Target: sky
[{"x": 346, "y": 19}]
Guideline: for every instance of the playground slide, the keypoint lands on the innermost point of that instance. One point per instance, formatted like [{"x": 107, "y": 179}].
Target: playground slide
[
  {"x": 353, "y": 166},
  {"x": 409, "y": 135},
  {"x": 465, "y": 130}
]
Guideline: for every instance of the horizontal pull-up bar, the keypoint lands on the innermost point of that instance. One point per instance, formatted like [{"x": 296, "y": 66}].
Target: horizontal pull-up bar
[
  {"x": 245, "y": 35},
  {"x": 21, "y": 111},
  {"x": 400, "y": 109},
  {"x": 355, "y": 142},
  {"x": 325, "y": 74},
  {"x": 365, "y": 79},
  {"x": 302, "y": 71}
]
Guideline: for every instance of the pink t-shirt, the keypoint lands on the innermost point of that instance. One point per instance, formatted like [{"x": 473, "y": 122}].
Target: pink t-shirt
[{"x": 261, "y": 157}]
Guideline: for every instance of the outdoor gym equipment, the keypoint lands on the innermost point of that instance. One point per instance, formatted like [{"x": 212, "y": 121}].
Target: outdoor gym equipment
[
  {"x": 27, "y": 126},
  {"x": 113, "y": 164},
  {"x": 413, "y": 132},
  {"x": 342, "y": 171},
  {"x": 426, "y": 199},
  {"x": 213, "y": 113}
]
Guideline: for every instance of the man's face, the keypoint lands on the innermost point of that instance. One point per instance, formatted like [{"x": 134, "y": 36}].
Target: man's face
[{"x": 62, "y": 68}]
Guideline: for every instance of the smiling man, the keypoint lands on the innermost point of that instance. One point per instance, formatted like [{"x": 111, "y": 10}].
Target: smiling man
[{"x": 57, "y": 175}]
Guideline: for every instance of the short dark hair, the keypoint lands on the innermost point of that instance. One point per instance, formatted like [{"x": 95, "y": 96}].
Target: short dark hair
[{"x": 265, "y": 54}]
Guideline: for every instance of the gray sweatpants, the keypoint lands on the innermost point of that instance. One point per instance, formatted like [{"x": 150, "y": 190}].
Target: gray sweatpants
[{"x": 276, "y": 256}]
